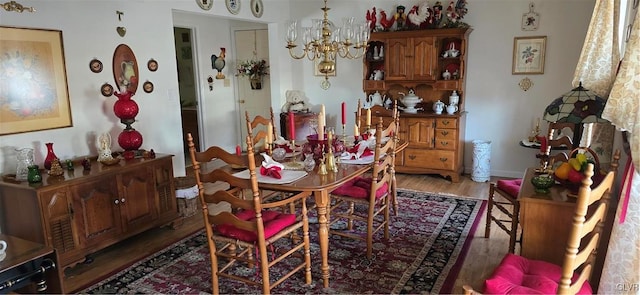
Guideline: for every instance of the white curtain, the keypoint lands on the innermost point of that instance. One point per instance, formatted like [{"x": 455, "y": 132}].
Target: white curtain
[{"x": 597, "y": 70}]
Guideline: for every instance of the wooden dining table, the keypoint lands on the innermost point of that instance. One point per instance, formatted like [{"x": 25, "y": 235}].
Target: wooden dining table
[{"x": 321, "y": 186}]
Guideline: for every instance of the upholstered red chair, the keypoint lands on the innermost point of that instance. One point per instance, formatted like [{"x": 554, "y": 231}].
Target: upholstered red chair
[
  {"x": 519, "y": 275},
  {"x": 248, "y": 226},
  {"x": 363, "y": 199}
]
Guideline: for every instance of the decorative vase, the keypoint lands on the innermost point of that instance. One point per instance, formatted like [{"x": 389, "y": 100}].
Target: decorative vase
[
  {"x": 256, "y": 82},
  {"x": 130, "y": 139},
  {"x": 50, "y": 155},
  {"x": 25, "y": 159},
  {"x": 309, "y": 163},
  {"x": 34, "y": 174},
  {"x": 125, "y": 108}
]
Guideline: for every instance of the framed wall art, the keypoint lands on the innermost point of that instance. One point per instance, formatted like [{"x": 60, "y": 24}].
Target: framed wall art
[
  {"x": 528, "y": 55},
  {"x": 33, "y": 81}
]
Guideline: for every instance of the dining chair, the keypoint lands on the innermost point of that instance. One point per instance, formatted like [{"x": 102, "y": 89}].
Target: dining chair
[
  {"x": 248, "y": 225},
  {"x": 364, "y": 199},
  {"x": 260, "y": 124},
  {"x": 519, "y": 275},
  {"x": 503, "y": 194}
]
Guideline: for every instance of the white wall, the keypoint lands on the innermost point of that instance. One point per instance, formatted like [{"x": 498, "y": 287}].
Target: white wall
[{"x": 498, "y": 109}]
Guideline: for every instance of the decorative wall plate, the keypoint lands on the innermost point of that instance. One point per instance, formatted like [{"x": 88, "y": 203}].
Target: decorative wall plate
[
  {"x": 233, "y": 6},
  {"x": 152, "y": 65},
  {"x": 147, "y": 87},
  {"x": 125, "y": 68},
  {"x": 205, "y": 4},
  {"x": 257, "y": 8},
  {"x": 95, "y": 65},
  {"x": 106, "y": 89}
]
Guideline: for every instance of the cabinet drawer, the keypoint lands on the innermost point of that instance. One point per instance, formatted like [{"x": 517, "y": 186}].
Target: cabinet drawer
[
  {"x": 446, "y": 134},
  {"x": 445, "y": 144},
  {"x": 373, "y": 84},
  {"x": 447, "y": 123},
  {"x": 435, "y": 159}
]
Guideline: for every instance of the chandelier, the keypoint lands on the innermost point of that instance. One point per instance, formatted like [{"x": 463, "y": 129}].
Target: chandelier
[{"x": 324, "y": 42}]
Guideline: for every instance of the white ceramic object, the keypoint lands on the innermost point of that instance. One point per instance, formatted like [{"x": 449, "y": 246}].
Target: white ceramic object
[
  {"x": 451, "y": 109},
  {"x": 410, "y": 101},
  {"x": 454, "y": 98},
  {"x": 438, "y": 107},
  {"x": 375, "y": 99}
]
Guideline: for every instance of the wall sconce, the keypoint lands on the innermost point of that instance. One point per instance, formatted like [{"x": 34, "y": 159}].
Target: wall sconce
[{"x": 17, "y": 7}]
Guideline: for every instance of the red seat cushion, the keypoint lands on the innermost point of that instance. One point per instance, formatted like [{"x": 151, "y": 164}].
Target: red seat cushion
[
  {"x": 273, "y": 222},
  {"x": 519, "y": 275},
  {"x": 359, "y": 188},
  {"x": 510, "y": 186}
]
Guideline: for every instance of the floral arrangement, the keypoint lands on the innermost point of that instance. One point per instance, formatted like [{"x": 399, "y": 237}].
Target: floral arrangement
[{"x": 253, "y": 68}]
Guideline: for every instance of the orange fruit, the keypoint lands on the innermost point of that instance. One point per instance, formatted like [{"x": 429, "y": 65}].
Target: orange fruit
[{"x": 562, "y": 172}]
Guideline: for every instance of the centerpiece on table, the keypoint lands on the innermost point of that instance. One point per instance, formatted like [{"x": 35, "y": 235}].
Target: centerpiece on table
[{"x": 255, "y": 70}]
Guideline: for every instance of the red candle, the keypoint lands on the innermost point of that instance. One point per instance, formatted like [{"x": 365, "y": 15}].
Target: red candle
[
  {"x": 238, "y": 150},
  {"x": 344, "y": 113},
  {"x": 292, "y": 127}
]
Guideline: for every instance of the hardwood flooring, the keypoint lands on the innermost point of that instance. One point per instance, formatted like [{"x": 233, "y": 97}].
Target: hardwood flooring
[{"x": 483, "y": 256}]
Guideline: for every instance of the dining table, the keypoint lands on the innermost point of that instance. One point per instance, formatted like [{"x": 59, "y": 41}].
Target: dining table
[{"x": 321, "y": 185}]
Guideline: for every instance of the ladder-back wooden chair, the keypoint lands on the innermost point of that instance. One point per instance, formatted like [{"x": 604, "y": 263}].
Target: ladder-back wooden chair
[
  {"x": 250, "y": 226},
  {"x": 364, "y": 199},
  {"x": 519, "y": 275},
  {"x": 503, "y": 194},
  {"x": 258, "y": 126}
]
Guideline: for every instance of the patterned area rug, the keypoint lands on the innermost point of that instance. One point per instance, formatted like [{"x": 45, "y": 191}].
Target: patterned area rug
[{"x": 427, "y": 245}]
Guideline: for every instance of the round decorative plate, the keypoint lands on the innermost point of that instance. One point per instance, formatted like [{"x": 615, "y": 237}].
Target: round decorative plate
[
  {"x": 205, "y": 4},
  {"x": 95, "y": 65},
  {"x": 257, "y": 8},
  {"x": 152, "y": 65},
  {"x": 147, "y": 87},
  {"x": 233, "y": 6},
  {"x": 106, "y": 89}
]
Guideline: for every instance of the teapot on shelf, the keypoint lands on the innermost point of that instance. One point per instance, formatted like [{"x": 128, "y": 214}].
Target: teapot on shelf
[
  {"x": 410, "y": 101},
  {"x": 438, "y": 107},
  {"x": 377, "y": 75}
]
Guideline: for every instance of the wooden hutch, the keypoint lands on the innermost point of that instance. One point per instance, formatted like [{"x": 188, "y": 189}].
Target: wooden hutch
[{"x": 415, "y": 60}]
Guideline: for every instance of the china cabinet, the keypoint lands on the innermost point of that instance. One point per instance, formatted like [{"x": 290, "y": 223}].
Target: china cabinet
[
  {"x": 432, "y": 65},
  {"x": 83, "y": 211}
]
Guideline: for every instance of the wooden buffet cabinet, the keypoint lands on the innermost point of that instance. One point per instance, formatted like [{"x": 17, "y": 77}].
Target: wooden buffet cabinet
[
  {"x": 81, "y": 212},
  {"x": 414, "y": 60}
]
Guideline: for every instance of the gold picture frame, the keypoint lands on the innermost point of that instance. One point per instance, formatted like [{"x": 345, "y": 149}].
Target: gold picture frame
[
  {"x": 316, "y": 71},
  {"x": 528, "y": 55},
  {"x": 34, "y": 94}
]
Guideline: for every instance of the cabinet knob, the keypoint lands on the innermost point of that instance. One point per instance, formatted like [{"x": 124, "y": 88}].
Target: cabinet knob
[
  {"x": 444, "y": 132},
  {"x": 445, "y": 122},
  {"x": 116, "y": 202},
  {"x": 241, "y": 101},
  {"x": 412, "y": 157},
  {"x": 122, "y": 200},
  {"x": 444, "y": 143},
  {"x": 443, "y": 159}
]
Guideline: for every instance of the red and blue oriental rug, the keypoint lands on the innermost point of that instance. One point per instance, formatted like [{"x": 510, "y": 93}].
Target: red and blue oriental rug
[{"x": 429, "y": 240}]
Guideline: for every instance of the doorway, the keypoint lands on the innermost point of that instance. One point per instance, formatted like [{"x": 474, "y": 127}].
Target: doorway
[
  {"x": 252, "y": 45},
  {"x": 183, "y": 40}
]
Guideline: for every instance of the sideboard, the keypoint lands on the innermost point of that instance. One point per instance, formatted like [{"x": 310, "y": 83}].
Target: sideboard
[{"x": 83, "y": 211}]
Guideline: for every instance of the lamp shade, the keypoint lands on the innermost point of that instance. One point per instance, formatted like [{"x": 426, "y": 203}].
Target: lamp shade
[{"x": 576, "y": 106}]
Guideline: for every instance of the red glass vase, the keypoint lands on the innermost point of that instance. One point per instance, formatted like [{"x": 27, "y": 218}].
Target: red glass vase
[
  {"x": 125, "y": 108},
  {"x": 50, "y": 155},
  {"x": 130, "y": 139}
]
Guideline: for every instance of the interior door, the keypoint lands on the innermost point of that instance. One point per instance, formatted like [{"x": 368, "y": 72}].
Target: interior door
[
  {"x": 252, "y": 44},
  {"x": 183, "y": 40}
]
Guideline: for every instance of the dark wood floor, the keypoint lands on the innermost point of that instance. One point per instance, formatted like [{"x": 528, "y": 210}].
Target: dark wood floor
[{"x": 483, "y": 256}]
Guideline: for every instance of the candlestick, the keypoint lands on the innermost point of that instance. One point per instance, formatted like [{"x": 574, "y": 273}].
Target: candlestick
[
  {"x": 344, "y": 113},
  {"x": 269, "y": 133},
  {"x": 322, "y": 111},
  {"x": 368, "y": 118},
  {"x": 320, "y": 127},
  {"x": 292, "y": 126},
  {"x": 238, "y": 150},
  {"x": 358, "y": 113},
  {"x": 356, "y": 130}
]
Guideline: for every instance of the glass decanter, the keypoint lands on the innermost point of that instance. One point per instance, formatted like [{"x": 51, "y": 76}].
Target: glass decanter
[{"x": 25, "y": 159}]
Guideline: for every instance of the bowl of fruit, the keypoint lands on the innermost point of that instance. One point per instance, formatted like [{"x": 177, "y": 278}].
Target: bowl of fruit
[{"x": 571, "y": 173}]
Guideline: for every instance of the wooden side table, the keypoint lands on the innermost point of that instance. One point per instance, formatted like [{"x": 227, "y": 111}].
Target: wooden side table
[{"x": 29, "y": 268}]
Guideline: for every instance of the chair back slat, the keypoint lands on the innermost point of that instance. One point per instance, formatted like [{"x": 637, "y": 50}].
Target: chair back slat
[{"x": 582, "y": 259}]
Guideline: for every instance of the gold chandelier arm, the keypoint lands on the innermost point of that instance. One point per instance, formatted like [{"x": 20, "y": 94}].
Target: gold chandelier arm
[{"x": 293, "y": 55}]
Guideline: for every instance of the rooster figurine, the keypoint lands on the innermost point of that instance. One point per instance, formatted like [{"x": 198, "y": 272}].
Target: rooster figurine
[
  {"x": 419, "y": 14},
  {"x": 461, "y": 8},
  {"x": 372, "y": 18},
  {"x": 218, "y": 63},
  {"x": 384, "y": 22},
  {"x": 452, "y": 15}
]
